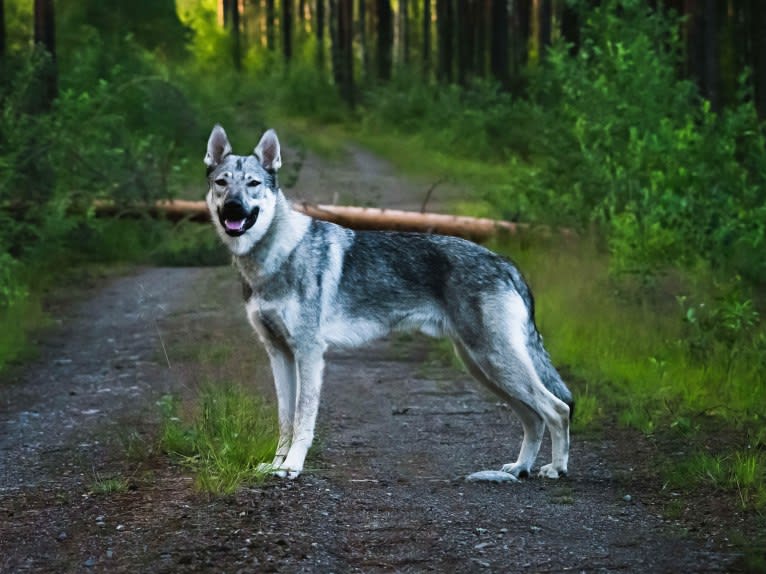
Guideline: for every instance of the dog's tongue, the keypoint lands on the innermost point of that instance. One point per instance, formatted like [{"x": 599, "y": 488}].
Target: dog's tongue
[{"x": 234, "y": 224}]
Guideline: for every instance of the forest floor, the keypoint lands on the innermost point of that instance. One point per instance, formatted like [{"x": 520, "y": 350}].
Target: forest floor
[{"x": 385, "y": 489}]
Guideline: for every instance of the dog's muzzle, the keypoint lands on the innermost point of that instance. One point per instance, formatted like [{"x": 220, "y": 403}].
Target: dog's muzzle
[{"x": 235, "y": 219}]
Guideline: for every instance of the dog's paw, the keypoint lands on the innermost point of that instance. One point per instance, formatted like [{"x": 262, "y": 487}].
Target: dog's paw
[
  {"x": 549, "y": 471},
  {"x": 516, "y": 469},
  {"x": 288, "y": 473}
]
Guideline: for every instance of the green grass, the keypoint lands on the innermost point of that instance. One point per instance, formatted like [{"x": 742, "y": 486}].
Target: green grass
[
  {"x": 109, "y": 485},
  {"x": 631, "y": 345},
  {"x": 742, "y": 472},
  {"x": 224, "y": 439}
]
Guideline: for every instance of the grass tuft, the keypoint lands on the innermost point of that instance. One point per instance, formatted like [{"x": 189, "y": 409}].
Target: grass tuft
[{"x": 226, "y": 439}]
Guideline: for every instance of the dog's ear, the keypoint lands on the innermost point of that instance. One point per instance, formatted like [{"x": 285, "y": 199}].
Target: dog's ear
[
  {"x": 218, "y": 147},
  {"x": 267, "y": 151}
]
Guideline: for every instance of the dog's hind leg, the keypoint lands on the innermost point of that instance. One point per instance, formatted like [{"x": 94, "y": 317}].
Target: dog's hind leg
[
  {"x": 310, "y": 365},
  {"x": 285, "y": 384},
  {"x": 504, "y": 354},
  {"x": 533, "y": 425}
]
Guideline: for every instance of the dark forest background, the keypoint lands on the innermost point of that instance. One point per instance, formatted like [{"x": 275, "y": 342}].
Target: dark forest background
[{"x": 641, "y": 118}]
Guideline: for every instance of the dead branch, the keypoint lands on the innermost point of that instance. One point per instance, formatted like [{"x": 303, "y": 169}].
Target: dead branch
[{"x": 360, "y": 218}]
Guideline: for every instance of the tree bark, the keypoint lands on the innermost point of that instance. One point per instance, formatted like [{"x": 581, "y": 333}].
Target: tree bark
[
  {"x": 385, "y": 39},
  {"x": 287, "y": 30},
  {"x": 465, "y": 30},
  {"x": 2, "y": 31},
  {"x": 445, "y": 30},
  {"x": 544, "y": 22},
  {"x": 474, "y": 228},
  {"x": 758, "y": 57},
  {"x": 345, "y": 38},
  {"x": 45, "y": 35},
  {"x": 320, "y": 32},
  {"x": 426, "y": 38},
  {"x": 499, "y": 48},
  {"x": 404, "y": 31},
  {"x": 271, "y": 43},
  {"x": 570, "y": 27},
  {"x": 236, "y": 40},
  {"x": 362, "y": 10}
]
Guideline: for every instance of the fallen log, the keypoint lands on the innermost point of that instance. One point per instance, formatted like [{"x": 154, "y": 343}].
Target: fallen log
[{"x": 360, "y": 218}]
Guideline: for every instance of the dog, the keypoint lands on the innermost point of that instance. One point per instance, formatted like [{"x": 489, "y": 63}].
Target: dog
[{"x": 310, "y": 284}]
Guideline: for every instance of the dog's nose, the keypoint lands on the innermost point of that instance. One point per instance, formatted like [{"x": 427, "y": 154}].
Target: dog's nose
[{"x": 233, "y": 207}]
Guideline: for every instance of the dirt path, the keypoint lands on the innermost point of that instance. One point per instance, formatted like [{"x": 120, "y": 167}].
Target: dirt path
[{"x": 385, "y": 492}]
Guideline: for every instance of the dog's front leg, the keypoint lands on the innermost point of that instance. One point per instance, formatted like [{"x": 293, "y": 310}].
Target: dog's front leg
[
  {"x": 310, "y": 365},
  {"x": 285, "y": 384}
]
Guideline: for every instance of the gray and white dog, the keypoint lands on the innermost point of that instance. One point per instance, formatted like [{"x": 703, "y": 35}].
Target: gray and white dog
[{"x": 311, "y": 284}]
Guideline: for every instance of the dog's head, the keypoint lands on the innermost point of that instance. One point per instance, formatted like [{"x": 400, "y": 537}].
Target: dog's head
[{"x": 242, "y": 190}]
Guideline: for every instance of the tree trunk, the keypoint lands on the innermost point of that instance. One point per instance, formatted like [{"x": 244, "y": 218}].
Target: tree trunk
[
  {"x": 524, "y": 8},
  {"x": 346, "y": 37},
  {"x": 426, "y": 38},
  {"x": 236, "y": 43},
  {"x": 45, "y": 35},
  {"x": 320, "y": 32},
  {"x": 758, "y": 38},
  {"x": 404, "y": 31},
  {"x": 224, "y": 11},
  {"x": 2, "y": 31},
  {"x": 385, "y": 39},
  {"x": 363, "y": 39},
  {"x": 271, "y": 43},
  {"x": 710, "y": 69},
  {"x": 335, "y": 45},
  {"x": 287, "y": 30},
  {"x": 702, "y": 47},
  {"x": 445, "y": 30},
  {"x": 570, "y": 27},
  {"x": 544, "y": 21},
  {"x": 499, "y": 48},
  {"x": 464, "y": 41}
]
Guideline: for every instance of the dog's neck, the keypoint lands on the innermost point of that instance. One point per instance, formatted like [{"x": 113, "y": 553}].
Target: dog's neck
[{"x": 285, "y": 232}]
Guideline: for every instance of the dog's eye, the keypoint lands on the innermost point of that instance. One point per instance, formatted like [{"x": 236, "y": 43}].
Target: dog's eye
[
  {"x": 253, "y": 183},
  {"x": 222, "y": 182}
]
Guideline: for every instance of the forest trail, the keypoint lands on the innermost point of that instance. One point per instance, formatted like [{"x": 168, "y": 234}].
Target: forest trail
[{"x": 385, "y": 491}]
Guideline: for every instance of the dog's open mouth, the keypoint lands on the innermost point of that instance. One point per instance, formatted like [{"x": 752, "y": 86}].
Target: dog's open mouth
[{"x": 235, "y": 220}]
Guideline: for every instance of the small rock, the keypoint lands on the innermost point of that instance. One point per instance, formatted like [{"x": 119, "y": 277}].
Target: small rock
[
  {"x": 482, "y": 545},
  {"x": 90, "y": 562},
  {"x": 109, "y": 553},
  {"x": 120, "y": 527},
  {"x": 100, "y": 524},
  {"x": 62, "y": 536},
  {"x": 100, "y": 518},
  {"x": 627, "y": 498},
  {"x": 491, "y": 476}
]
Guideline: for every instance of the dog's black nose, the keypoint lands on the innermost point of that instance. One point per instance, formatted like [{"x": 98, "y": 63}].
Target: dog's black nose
[{"x": 233, "y": 209}]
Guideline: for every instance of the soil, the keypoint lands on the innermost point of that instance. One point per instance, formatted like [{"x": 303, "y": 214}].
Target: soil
[{"x": 385, "y": 488}]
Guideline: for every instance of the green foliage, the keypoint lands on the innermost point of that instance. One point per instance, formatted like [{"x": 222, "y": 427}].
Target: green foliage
[
  {"x": 109, "y": 485},
  {"x": 624, "y": 143},
  {"x": 742, "y": 472},
  {"x": 228, "y": 440}
]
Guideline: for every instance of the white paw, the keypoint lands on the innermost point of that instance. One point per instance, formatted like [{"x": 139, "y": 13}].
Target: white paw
[
  {"x": 549, "y": 471},
  {"x": 284, "y": 471},
  {"x": 517, "y": 469}
]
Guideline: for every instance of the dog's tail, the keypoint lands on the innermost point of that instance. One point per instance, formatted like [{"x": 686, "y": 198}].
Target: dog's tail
[
  {"x": 547, "y": 372},
  {"x": 541, "y": 360}
]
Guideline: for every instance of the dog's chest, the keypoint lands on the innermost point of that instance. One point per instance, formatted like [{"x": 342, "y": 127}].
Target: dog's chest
[{"x": 275, "y": 320}]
